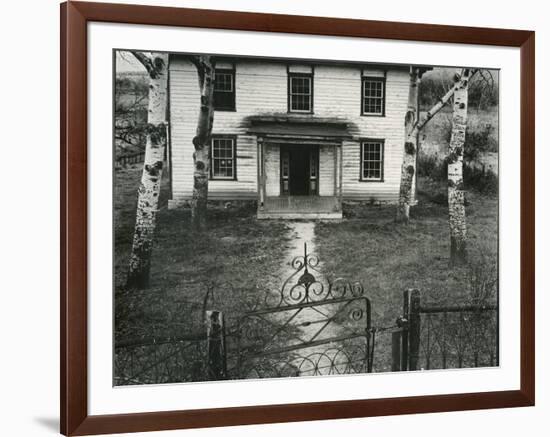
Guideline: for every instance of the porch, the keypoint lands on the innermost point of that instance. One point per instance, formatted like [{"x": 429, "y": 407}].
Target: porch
[
  {"x": 299, "y": 166},
  {"x": 301, "y": 207}
]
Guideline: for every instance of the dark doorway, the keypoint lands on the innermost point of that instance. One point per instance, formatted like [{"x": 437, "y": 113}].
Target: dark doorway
[
  {"x": 299, "y": 168},
  {"x": 299, "y": 171}
]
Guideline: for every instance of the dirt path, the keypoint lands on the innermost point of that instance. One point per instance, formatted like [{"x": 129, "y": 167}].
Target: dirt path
[
  {"x": 310, "y": 322},
  {"x": 301, "y": 232},
  {"x": 309, "y": 333}
]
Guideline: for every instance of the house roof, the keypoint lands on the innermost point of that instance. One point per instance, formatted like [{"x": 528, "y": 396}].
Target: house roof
[
  {"x": 363, "y": 64},
  {"x": 292, "y": 127}
]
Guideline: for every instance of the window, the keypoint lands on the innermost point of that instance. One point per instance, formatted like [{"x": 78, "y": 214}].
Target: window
[
  {"x": 373, "y": 102},
  {"x": 313, "y": 159},
  {"x": 372, "y": 160},
  {"x": 300, "y": 92},
  {"x": 285, "y": 170},
  {"x": 223, "y": 158},
  {"x": 224, "y": 90}
]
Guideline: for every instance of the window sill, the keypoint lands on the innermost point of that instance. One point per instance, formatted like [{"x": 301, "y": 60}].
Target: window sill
[
  {"x": 371, "y": 180},
  {"x": 301, "y": 112},
  {"x": 372, "y": 115}
]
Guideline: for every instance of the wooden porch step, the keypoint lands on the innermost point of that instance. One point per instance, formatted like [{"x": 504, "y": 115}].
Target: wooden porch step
[
  {"x": 301, "y": 207},
  {"x": 300, "y": 215}
]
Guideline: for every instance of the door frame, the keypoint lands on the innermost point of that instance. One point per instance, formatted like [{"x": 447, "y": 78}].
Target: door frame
[{"x": 288, "y": 147}]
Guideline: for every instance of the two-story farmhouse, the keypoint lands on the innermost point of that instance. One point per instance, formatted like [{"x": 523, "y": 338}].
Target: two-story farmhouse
[{"x": 299, "y": 137}]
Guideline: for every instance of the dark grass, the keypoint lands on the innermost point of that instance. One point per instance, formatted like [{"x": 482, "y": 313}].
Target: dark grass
[
  {"x": 239, "y": 258},
  {"x": 235, "y": 257},
  {"x": 388, "y": 258}
]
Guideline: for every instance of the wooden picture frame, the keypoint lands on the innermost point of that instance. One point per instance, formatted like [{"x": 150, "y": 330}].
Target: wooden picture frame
[{"x": 75, "y": 419}]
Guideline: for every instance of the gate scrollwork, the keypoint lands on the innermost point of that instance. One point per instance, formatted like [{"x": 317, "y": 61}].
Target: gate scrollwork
[{"x": 310, "y": 326}]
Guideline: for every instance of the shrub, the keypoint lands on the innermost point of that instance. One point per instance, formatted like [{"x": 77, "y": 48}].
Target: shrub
[
  {"x": 479, "y": 179},
  {"x": 432, "y": 87},
  {"x": 481, "y": 94},
  {"x": 430, "y": 167},
  {"x": 479, "y": 142},
  {"x": 482, "y": 276},
  {"x": 475, "y": 178},
  {"x": 439, "y": 197}
]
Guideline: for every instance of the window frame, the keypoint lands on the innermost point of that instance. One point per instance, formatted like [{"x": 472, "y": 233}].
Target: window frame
[
  {"x": 384, "y": 95},
  {"x": 233, "y": 138},
  {"x": 230, "y": 71},
  {"x": 382, "y": 143},
  {"x": 291, "y": 75}
]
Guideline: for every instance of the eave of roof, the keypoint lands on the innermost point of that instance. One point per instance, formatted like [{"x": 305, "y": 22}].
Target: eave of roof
[
  {"x": 299, "y": 126},
  {"x": 363, "y": 64}
]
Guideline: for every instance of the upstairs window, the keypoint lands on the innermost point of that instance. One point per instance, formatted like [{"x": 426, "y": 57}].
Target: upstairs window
[
  {"x": 300, "y": 92},
  {"x": 373, "y": 98},
  {"x": 223, "y": 158},
  {"x": 224, "y": 90},
  {"x": 372, "y": 160}
]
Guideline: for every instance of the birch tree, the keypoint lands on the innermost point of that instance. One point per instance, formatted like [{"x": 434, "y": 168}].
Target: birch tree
[
  {"x": 408, "y": 166},
  {"x": 202, "y": 140},
  {"x": 413, "y": 125},
  {"x": 156, "y": 65},
  {"x": 457, "y": 211}
]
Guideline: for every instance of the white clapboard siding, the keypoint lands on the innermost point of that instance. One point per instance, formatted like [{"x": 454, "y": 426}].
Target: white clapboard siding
[
  {"x": 326, "y": 170},
  {"x": 337, "y": 92},
  {"x": 272, "y": 170},
  {"x": 261, "y": 88}
]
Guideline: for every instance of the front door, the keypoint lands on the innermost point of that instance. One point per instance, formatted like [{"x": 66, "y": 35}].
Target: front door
[{"x": 299, "y": 170}]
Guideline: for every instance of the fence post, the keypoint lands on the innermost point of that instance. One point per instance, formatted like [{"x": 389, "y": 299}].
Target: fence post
[
  {"x": 396, "y": 351},
  {"x": 405, "y": 331},
  {"x": 216, "y": 367},
  {"x": 414, "y": 329}
]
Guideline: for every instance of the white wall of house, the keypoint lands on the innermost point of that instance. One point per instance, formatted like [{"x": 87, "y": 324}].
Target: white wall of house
[
  {"x": 261, "y": 88},
  {"x": 326, "y": 170},
  {"x": 272, "y": 170}
]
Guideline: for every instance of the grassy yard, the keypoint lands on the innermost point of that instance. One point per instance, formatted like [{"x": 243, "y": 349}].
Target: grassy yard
[
  {"x": 239, "y": 258},
  {"x": 388, "y": 258},
  {"x": 237, "y": 249}
]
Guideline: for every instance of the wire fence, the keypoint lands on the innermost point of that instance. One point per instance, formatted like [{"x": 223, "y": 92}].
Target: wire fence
[
  {"x": 158, "y": 361},
  {"x": 425, "y": 336},
  {"x": 458, "y": 337},
  {"x": 125, "y": 160}
]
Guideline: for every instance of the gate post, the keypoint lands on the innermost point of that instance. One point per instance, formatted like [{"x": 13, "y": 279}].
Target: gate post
[
  {"x": 404, "y": 322},
  {"x": 410, "y": 334},
  {"x": 216, "y": 367},
  {"x": 414, "y": 329},
  {"x": 396, "y": 351}
]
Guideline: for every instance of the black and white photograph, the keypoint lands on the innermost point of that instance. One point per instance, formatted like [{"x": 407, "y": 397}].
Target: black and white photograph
[
  {"x": 282, "y": 217},
  {"x": 277, "y": 218}
]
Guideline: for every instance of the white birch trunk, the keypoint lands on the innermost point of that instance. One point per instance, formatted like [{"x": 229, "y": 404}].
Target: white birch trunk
[
  {"x": 149, "y": 189},
  {"x": 202, "y": 140},
  {"x": 413, "y": 125},
  {"x": 457, "y": 211},
  {"x": 408, "y": 166}
]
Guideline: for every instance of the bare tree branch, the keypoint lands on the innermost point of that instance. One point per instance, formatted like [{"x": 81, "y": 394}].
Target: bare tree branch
[
  {"x": 151, "y": 65},
  {"x": 440, "y": 104}
]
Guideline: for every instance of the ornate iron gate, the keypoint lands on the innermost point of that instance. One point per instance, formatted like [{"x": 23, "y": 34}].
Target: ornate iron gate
[{"x": 310, "y": 326}]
